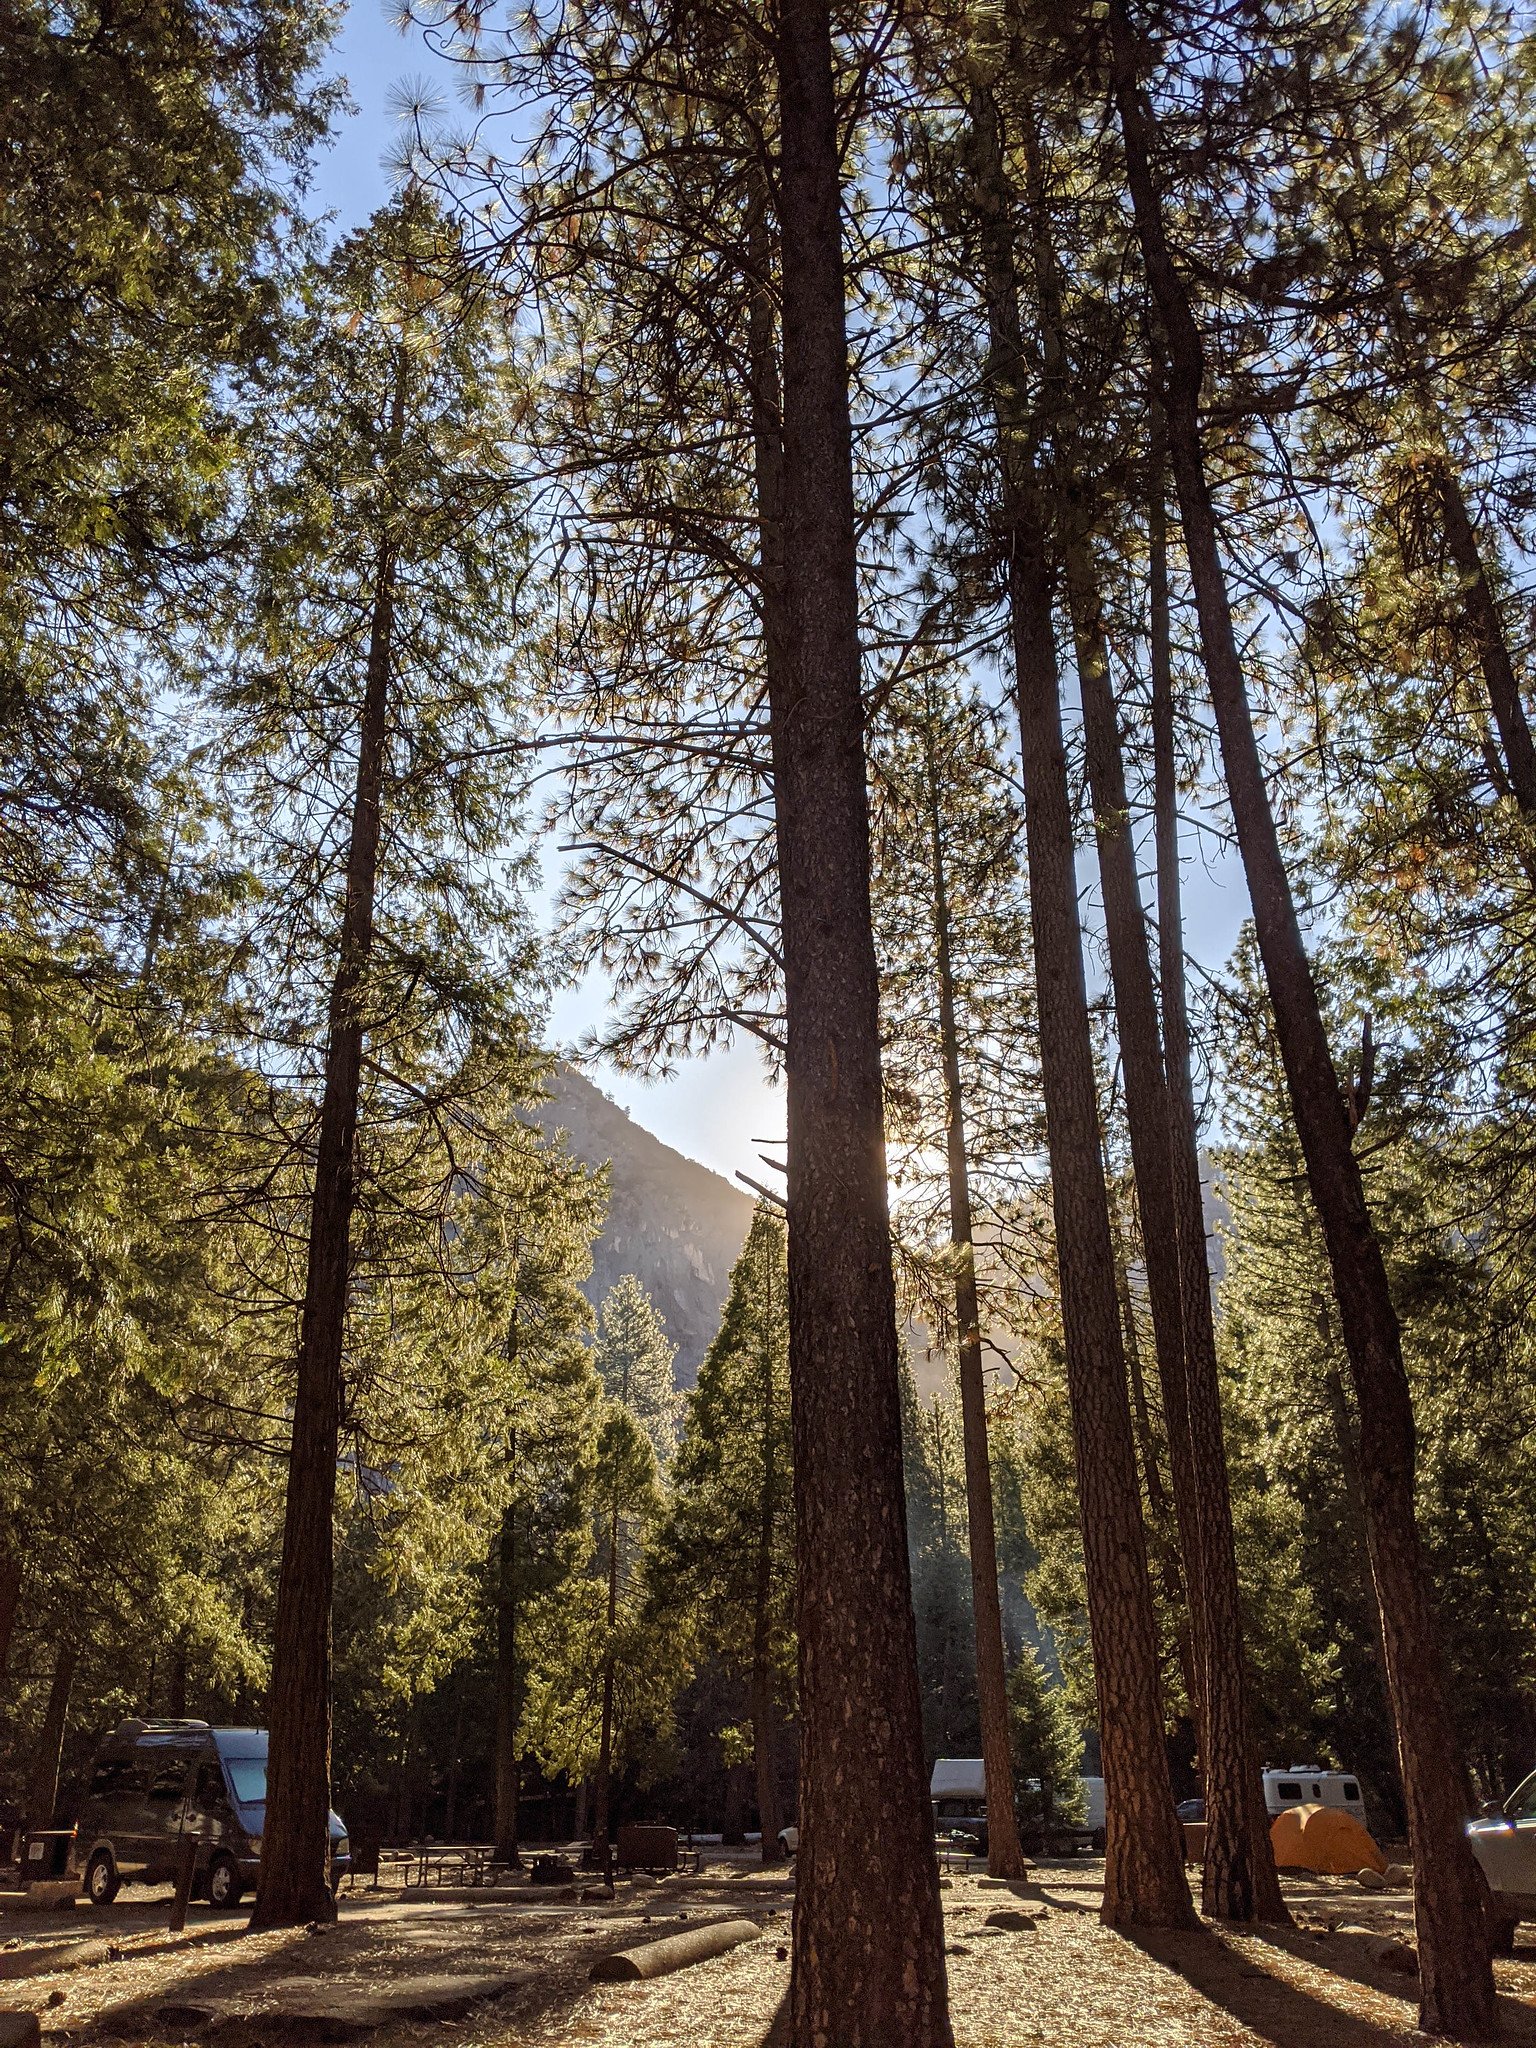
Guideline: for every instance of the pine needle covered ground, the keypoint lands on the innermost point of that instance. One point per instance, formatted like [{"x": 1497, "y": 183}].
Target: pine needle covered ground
[{"x": 1065, "y": 1980}]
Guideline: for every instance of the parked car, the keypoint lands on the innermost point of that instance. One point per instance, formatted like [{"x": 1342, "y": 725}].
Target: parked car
[
  {"x": 1504, "y": 1843},
  {"x": 153, "y": 1784},
  {"x": 1190, "y": 1809}
]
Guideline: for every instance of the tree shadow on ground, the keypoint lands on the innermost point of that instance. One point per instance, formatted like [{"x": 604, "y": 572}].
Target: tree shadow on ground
[
  {"x": 779, "y": 2027},
  {"x": 1288, "y": 2014},
  {"x": 544, "y": 1992}
]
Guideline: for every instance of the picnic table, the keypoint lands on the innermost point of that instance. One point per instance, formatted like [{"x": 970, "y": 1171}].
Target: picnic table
[
  {"x": 957, "y": 1850},
  {"x": 449, "y": 1863}
]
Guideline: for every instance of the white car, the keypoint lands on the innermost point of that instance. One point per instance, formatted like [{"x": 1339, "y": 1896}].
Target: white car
[{"x": 1504, "y": 1843}]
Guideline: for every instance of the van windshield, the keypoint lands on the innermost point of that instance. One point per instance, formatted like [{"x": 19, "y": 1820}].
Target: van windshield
[{"x": 248, "y": 1779}]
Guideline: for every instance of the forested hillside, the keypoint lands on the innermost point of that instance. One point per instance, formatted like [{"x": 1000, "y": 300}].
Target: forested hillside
[{"x": 671, "y": 1222}]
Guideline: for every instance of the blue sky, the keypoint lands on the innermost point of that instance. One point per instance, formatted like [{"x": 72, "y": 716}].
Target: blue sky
[{"x": 715, "y": 1110}]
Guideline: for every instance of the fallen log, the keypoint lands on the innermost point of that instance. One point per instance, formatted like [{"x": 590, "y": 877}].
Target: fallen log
[{"x": 673, "y": 1952}]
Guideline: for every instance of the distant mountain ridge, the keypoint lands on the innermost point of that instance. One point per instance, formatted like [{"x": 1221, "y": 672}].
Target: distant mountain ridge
[{"x": 676, "y": 1225}]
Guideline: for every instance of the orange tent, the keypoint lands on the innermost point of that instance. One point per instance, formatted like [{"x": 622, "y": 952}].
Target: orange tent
[{"x": 1323, "y": 1838}]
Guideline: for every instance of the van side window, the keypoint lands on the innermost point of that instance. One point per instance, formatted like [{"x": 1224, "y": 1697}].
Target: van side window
[
  {"x": 210, "y": 1788},
  {"x": 169, "y": 1779},
  {"x": 114, "y": 1776},
  {"x": 1289, "y": 1790}
]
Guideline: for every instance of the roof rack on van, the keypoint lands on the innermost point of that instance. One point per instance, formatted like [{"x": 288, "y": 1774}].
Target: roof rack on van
[{"x": 135, "y": 1725}]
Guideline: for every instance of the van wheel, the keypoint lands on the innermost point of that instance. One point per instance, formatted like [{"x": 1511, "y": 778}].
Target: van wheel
[
  {"x": 102, "y": 1882},
  {"x": 224, "y": 1886}
]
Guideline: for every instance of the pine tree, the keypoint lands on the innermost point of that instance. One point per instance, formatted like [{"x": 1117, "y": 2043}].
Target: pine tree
[
  {"x": 1047, "y": 1748},
  {"x": 942, "y": 816},
  {"x": 1144, "y": 1876},
  {"x": 873, "y": 1971},
  {"x": 628, "y": 1501},
  {"x": 150, "y": 160},
  {"x": 372, "y": 674},
  {"x": 725, "y": 1550},
  {"x": 1456, "y": 1981},
  {"x": 547, "y": 1214},
  {"x": 634, "y": 1362}
]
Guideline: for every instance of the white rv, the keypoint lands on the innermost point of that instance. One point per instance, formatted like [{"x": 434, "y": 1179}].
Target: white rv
[{"x": 1312, "y": 1785}]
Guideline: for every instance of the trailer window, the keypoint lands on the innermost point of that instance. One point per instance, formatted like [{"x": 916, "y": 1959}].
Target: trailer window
[
  {"x": 1351, "y": 1789},
  {"x": 1289, "y": 1791}
]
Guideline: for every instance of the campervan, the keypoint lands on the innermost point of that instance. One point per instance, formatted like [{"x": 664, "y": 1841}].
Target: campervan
[{"x": 156, "y": 1783}]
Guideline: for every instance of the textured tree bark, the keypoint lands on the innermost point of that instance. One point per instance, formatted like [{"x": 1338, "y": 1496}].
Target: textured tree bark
[
  {"x": 508, "y": 1692},
  {"x": 43, "y": 1780},
  {"x": 1005, "y": 1852},
  {"x": 1240, "y": 1878},
  {"x": 1231, "y": 1724},
  {"x": 455, "y": 1762},
  {"x": 602, "y": 1788},
  {"x": 765, "y": 1768},
  {"x": 733, "y": 1826},
  {"x": 1162, "y": 1535},
  {"x": 869, "y": 1937},
  {"x": 294, "y": 1883},
  {"x": 1144, "y": 1881},
  {"x": 1455, "y": 1974},
  {"x": 1490, "y": 640},
  {"x": 1354, "y": 1507},
  {"x": 10, "y": 1600},
  {"x": 764, "y": 1748}
]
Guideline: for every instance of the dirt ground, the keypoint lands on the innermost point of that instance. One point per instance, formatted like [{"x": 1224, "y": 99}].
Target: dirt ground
[{"x": 515, "y": 1972}]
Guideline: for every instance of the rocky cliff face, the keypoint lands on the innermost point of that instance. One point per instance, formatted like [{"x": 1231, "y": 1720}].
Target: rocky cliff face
[{"x": 671, "y": 1222}]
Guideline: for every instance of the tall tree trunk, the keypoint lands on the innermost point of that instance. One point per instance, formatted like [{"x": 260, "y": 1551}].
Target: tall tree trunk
[
  {"x": 43, "y": 1780},
  {"x": 10, "y": 1601},
  {"x": 1455, "y": 1974},
  {"x": 1489, "y": 638},
  {"x": 508, "y": 1691},
  {"x": 294, "y": 1883},
  {"x": 1240, "y": 1878},
  {"x": 733, "y": 1822},
  {"x": 1162, "y": 1537},
  {"x": 1230, "y": 1733},
  {"x": 603, "y": 1786},
  {"x": 1005, "y": 1852},
  {"x": 455, "y": 1761},
  {"x": 1144, "y": 1868},
  {"x": 1516, "y": 760},
  {"x": 869, "y": 1934},
  {"x": 1354, "y": 1516},
  {"x": 766, "y": 402},
  {"x": 579, "y": 1817},
  {"x": 764, "y": 1751}
]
